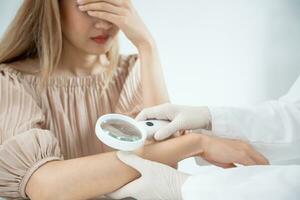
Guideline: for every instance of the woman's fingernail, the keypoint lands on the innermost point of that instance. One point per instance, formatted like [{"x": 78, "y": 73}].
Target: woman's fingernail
[
  {"x": 81, "y": 8},
  {"x": 79, "y": 1},
  {"x": 90, "y": 12}
]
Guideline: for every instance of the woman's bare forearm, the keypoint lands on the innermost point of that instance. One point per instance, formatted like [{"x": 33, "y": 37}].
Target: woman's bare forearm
[
  {"x": 153, "y": 83},
  {"x": 93, "y": 176}
]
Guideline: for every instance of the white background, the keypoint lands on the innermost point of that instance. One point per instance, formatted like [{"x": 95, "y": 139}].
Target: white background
[{"x": 217, "y": 52}]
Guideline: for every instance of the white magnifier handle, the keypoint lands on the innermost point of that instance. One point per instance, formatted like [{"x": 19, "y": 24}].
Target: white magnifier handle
[{"x": 152, "y": 126}]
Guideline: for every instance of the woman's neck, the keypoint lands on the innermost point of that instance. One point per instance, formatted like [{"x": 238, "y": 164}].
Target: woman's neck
[{"x": 76, "y": 62}]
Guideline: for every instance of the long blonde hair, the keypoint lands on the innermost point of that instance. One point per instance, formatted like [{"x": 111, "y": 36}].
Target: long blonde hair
[{"x": 36, "y": 32}]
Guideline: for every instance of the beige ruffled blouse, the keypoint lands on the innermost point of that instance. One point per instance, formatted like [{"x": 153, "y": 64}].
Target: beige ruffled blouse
[{"x": 58, "y": 123}]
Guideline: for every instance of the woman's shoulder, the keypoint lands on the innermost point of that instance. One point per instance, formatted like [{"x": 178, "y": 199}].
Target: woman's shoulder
[
  {"x": 28, "y": 66},
  {"x": 18, "y": 73}
]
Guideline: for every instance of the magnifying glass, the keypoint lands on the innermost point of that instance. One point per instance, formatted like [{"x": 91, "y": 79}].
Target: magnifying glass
[{"x": 124, "y": 133}]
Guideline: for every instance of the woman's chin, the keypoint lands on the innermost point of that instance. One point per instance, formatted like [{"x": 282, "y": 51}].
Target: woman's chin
[{"x": 95, "y": 48}]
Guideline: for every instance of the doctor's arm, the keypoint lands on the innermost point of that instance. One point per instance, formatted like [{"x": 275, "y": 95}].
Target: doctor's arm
[{"x": 272, "y": 127}]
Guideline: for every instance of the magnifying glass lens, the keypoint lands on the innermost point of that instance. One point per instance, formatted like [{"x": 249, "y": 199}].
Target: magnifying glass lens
[{"x": 121, "y": 130}]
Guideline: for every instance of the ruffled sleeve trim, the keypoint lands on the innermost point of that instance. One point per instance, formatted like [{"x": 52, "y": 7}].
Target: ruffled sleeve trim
[{"x": 31, "y": 170}]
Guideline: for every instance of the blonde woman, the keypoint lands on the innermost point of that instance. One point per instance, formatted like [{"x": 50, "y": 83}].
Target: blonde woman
[{"x": 60, "y": 70}]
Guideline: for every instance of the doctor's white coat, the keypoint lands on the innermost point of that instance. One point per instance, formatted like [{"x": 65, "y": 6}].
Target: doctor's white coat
[{"x": 273, "y": 129}]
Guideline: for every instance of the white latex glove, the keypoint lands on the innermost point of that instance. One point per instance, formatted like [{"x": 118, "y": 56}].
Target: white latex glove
[
  {"x": 157, "y": 181},
  {"x": 181, "y": 117}
]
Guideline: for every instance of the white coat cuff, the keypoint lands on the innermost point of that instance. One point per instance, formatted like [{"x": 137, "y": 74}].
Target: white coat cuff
[{"x": 219, "y": 121}]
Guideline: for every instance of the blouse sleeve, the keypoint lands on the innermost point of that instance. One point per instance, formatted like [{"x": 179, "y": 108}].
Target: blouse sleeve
[
  {"x": 131, "y": 97},
  {"x": 24, "y": 145}
]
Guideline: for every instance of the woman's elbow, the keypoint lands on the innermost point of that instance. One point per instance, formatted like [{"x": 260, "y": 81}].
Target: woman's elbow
[{"x": 42, "y": 185}]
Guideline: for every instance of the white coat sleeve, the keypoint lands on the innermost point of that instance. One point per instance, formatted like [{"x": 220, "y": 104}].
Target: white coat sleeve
[
  {"x": 273, "y": 128},
  {"x": 247, "y": 183}
]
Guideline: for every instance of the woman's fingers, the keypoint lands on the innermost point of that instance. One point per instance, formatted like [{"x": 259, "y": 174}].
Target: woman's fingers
[
  {"x": 258, "y": 157},
  {"x": 105, "y": 10},
  {"x": 246, "y": 160},
  {"x": 112, "y": 18},
  {"x": 120, "y": 3},
  {"x": 225, "y": 152},
  {"x": 251, "y": 157},
  {"x": 223, "y": 165},
  {"x": 104, "y": 7}
]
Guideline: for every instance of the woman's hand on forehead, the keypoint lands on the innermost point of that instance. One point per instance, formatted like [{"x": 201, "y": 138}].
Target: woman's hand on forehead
[{"x": 120, "y": 13}]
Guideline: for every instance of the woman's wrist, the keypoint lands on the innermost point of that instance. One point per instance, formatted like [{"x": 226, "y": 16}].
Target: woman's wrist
[
  {"x": 146, "y": 47},
  {"x": 173, "y": 150},
  {"x": 196, "y": 144}
]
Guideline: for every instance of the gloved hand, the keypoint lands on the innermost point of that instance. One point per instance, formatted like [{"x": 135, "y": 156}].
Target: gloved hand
[
  {"x": 157, "y": 181},
  {"x": 181, "y": 117}
]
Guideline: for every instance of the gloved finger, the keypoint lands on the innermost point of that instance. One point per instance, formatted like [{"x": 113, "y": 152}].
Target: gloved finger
[
  {"x": 167, "y": 131},
  {"x": 134, "y": 161},
  {"x": 156, "y": 112},
  {"x": 129, "y": 190}
]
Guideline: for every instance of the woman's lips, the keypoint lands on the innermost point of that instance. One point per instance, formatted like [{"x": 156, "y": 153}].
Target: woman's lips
[{"x": 101, "y": 39}]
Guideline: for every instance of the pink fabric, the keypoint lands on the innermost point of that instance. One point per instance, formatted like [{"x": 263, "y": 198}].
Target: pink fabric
[{"x": 59, "y": 122}]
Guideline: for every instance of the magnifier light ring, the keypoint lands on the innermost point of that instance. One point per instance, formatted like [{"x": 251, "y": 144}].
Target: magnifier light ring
[{"x": 113, "y": 141}]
